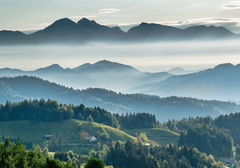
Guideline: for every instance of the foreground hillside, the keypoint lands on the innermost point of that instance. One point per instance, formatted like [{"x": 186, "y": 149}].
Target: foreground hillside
[
  {"x": 19, "y": 88},
  {"x": 35, "y": 131}
]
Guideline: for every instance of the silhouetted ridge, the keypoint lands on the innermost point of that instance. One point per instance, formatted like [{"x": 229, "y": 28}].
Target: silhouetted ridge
[
  {"x": 224, "y": 66},
  {"x": 14, "y": 37},
  {"x": 65, "y": 31},
  {"x": 208, "y": 31},
  {"x": 87, "y": 24},
  {"x": 152, "y": 30},
  {"x": 59, "y": 30}
]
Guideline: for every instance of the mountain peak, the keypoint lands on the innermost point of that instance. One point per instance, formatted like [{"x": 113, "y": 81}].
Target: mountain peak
[
  {"x": 63, "y": 21},
  {"x": 84, "y": 22},
  {"x": 224, "y": 66},
  {"x": 63, "y": 24},
  {"x": 51, "y": 68}
]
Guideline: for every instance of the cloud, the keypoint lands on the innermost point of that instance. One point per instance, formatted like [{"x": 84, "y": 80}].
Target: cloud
[
  {"x": 109, "y": 10},
  {"x": 232, "y": 5},
  {"x": 82, "y": 16}
]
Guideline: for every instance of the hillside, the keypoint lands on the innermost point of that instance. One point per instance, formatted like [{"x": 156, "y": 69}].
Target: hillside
[
  {"x": 20, "y": 88},
  {"x": 160, "y": 136},
  {"x": 35, "y": 131}
]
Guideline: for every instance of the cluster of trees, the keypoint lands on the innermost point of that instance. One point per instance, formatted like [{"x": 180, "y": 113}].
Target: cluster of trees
[
  {"x": 131, "y": 154},
  {"x": 71, "y": 157},
  {"x": 136, "y": 121},
  {"x": 28, "y": 145},
  {"x": 222, "y": 132},
  {"x": 36, "y": 110},
  {"x": 15, "y": 155},
  {"x": 230, "y": 122},
  {"x": 99, "y": 115},
  {"x": 55, "y": 144},
  {"x": 51, "y": 110},
  {"x": 187, "y": 123},
  {"x": 208, "y": 139},
  {"x": 184, "y": 156}
]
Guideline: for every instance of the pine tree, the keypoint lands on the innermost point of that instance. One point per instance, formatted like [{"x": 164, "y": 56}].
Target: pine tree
[
  {"x": 60, "y": 142},
  {"x": 53, "y": 143}
]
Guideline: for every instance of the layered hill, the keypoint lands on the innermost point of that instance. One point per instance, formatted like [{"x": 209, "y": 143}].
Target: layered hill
[
  {"x": 19, "y": 88},
  {"x": 221, "y": 83},
  {"x": 104, "y": 74}
]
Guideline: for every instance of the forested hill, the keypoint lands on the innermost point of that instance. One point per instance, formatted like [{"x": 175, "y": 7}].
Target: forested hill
[
  {"x": 23, "y": 87},
  {"x": 215, "y": 136}
]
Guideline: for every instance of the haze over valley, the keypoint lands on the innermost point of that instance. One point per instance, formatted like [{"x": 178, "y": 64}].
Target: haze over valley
[{"x": 120, "y": 84}]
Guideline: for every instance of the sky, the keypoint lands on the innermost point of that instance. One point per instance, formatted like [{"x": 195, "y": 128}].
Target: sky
[{"x": 36, "y": 14}]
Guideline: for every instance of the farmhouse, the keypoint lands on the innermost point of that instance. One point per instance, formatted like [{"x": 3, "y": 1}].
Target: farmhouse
[{"x": 92, "y": 138}]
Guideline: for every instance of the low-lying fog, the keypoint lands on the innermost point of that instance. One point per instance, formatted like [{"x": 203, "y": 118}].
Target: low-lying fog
[{"x": 150, "y": 57}]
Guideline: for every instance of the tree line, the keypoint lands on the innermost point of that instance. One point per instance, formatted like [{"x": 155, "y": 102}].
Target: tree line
[
  {"x": 15, "y": 155},
  {"x": 131, "y": 154},
  {"x": 51, "y": 110}
]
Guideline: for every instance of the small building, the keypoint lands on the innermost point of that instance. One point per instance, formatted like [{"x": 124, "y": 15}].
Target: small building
[
  {"x": 92, "y": 138},
  {"x": 147, "y": 145},
  {"x": 229, "y": 162},
  {"x": 47, "y": 137}
]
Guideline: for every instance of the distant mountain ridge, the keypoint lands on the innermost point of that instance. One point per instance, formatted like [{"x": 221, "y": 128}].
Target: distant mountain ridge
[
  {"x": 105, "y": 65},
  {"x": 103, "y": 74},
  {"x": 65, "y": 31},
  {"x": 14, "y": 37},
  {"x": 220, "y": 83},
  {"x": 23, "y": 87}
]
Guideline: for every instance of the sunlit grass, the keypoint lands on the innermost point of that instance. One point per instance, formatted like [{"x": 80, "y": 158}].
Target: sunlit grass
[{"x": 160, "y": 136}]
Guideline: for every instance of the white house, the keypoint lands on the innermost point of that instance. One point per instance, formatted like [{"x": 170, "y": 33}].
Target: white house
[{"x": 92, "y": 138}]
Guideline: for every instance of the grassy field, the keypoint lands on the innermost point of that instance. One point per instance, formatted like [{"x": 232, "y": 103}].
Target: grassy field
[
  {"x": 35, "y": 131},
  {"x": 160, "y": 136}
]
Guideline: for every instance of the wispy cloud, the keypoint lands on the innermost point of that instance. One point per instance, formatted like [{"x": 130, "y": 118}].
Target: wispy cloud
[
  {"x": 109, "y": 11},
  {"x": 232, "y": 5},
  {"x": 232, "y": 24},
  {"x": 82, "y": 16},
  {"x": 204, "y": 21},
  {"x": 44, "y": 24}
]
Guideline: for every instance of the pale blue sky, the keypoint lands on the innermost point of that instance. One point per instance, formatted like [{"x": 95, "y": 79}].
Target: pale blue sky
[{"x": 36, "y": 14}]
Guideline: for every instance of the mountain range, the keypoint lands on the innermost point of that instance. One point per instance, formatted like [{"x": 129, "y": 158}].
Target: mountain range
[
  {"x": 219, "y": 83},
  {"x": 65, "y": 31},
  {"x": 102, "y": 74}
]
